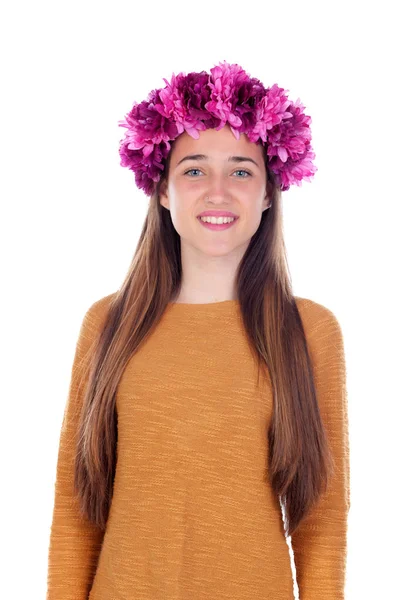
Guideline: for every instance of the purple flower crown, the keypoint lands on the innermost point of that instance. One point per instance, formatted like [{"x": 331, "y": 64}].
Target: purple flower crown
[{"x": 199, "y": 101}]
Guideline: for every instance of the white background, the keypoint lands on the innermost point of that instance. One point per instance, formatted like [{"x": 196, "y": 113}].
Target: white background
[{"x": 71, "y": 217}]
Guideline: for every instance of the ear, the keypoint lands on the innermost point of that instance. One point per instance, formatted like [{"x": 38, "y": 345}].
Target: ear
[
  {"x": 269, "y": 188},
  {"x": 164, "y": 200},
  {"x": 266, "y": 201}
]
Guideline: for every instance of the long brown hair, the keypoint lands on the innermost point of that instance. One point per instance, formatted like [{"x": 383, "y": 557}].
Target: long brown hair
[{"x": 300, "y": 460}]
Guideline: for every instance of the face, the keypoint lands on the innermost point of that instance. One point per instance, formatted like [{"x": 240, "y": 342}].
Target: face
[{"x": 216, "y": 181}]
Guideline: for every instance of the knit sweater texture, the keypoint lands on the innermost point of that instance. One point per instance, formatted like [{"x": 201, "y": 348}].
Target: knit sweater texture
[{"x": 193, "y": 516}]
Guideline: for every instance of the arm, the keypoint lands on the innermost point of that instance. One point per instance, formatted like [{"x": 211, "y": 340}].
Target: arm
[
  {"x": 320, "y": 542},
  {"x": 74, "y": 542}
]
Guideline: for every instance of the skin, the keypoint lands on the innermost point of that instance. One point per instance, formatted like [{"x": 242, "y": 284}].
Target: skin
[{"x": 210, "y": 258}]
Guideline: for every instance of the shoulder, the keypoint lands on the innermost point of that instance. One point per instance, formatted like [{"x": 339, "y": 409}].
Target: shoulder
[
  {"x": 319, "y": 322},
  {"x": 325, "y": 342},
  {"x": 96, "y": 313},
  {"x": 90, "y": 328},
  {"x": 101, "y": 306}
]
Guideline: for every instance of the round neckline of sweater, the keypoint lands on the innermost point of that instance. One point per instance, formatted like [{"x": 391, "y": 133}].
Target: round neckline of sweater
[{"x": 219, "y": 304}]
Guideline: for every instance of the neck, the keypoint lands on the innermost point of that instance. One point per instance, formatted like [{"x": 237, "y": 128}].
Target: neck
[{"x": 207, "y": 278}]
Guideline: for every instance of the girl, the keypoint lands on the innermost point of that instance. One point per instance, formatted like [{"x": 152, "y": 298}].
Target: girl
[{"x": 206, "y": 424}]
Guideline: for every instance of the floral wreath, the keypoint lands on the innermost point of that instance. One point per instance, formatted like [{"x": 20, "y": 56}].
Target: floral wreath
[{"x": 199, "y": 101}]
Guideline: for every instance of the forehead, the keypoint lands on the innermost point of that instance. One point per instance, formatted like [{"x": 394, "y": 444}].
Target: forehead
[{"x": 215, "y": 144}]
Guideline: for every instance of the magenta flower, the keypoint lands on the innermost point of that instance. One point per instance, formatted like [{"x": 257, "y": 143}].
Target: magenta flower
[
  {"x": 234, "y": 97},
  {"x": 183, "y": 101},
  {"x": 147, "y": 127},
  {"x": 223, "y": 80},
  {"x": 289, "y": 147},
  {"x": 195, "y": 92},
  {"x": 270, "y": 111},
  {"x": 147, "y": 168}
]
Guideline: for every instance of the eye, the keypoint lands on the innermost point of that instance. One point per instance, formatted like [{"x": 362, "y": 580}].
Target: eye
[
  {"x": 243, "y": 171},
  {"x": 191, "y": 170}
]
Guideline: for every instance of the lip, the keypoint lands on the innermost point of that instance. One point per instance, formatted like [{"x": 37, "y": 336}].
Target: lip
[{"x": 217, "y": 213}]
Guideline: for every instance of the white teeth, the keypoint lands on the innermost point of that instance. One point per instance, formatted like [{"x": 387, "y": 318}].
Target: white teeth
[{"x": 217, "y": 220}]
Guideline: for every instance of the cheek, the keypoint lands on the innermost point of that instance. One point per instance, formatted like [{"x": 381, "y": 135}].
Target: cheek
[
  {"x": 183, "y": 201},
  {"x": 180, "y": 184},
  {"x": 181, "y": 211}
]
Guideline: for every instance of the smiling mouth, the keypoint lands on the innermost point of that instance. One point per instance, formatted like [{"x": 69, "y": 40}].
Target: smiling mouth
[
  {"x": 217, "y": 226},
  {"x": 223, "y": 216}
]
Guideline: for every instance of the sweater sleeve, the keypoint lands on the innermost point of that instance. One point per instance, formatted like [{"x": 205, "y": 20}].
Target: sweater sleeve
[
  {"x": 75, "y": 542},
  {"x": 320, "y": 542}
]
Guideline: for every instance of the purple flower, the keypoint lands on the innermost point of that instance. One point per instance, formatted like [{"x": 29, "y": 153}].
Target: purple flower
[
  {"x": 176, "y": 105},
  {"x": 235, "y": 97},
  {"x": 147, "y": 168},
  {"x": 146, "y": 126},
  {"x": 224, "y": 79},
  {"x": 195, "y": 92},
  {"x": 270, "y": 111},
  {"x": 289, "y": 147}
]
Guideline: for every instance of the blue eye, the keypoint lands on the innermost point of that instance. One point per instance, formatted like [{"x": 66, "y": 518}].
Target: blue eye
[
  {"x": 248, "y": 174},
  {"x": 186, "y": 172}
]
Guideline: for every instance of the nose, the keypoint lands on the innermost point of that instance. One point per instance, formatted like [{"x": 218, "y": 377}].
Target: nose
[{"x": 217, "y": 190}]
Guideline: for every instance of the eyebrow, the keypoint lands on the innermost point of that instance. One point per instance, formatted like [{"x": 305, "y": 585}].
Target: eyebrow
[{"x": 236, "y": 159}]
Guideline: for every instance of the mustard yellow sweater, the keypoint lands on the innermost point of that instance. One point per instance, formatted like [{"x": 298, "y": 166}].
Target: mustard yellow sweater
[{"x": 192, "y": 517}]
